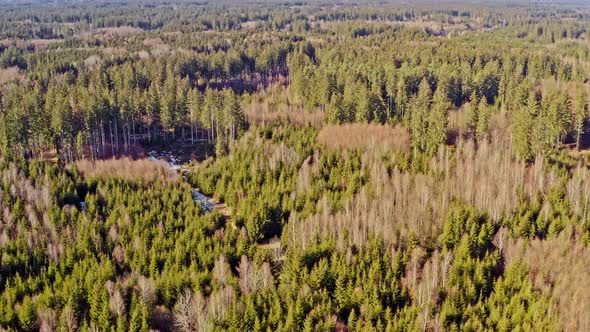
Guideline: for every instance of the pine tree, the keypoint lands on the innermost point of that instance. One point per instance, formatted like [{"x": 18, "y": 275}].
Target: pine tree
[
  {"x": 210, "y": 113},
  {"x": 363, "y": 107},
  {"x": 27, "y": 315},
  {"x": 552, "y": 123},
  {"x": 349, "y": 99},
  {"x": 335, "y": 112},
  {"x": 135, "y": 321},
  {"x": 401, "y": 97},
  {"x": 152, "y": 108},
  {"x": 181, "y": 115},
  {"x": 437, "y": 121},
  {"x": 483, "y": 118},
  {"x": 95, "y": 301},
  {"x": 419, "y": 118},
  {"x": 194, "y": 105},
  {"x": 105, "y": 317},
  {"x": 233, "y": 117},
  {"x": 168, "y": 107},
  {"x": 522, "y": 120},
  {"x": 326, "y": 88},
  {"x": 471, "y": 114},
  {"x": 377, "y": 107},
  {"x": 391, "y": 89},
  {"x": 580, "y": 115}
]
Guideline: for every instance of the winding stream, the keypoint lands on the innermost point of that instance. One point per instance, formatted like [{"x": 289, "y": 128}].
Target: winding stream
[{"x": 175, "y": 164}]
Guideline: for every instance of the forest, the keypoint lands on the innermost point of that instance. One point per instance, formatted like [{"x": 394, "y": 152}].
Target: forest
[{"x": 308, "y": 165}]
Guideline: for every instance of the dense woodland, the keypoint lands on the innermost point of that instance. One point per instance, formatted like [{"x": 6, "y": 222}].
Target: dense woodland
[{"x": 391, "y": 167}]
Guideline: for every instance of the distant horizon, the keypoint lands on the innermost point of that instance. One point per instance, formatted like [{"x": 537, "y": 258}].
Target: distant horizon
[
  {"x": 313, "y": 165},
  {"x": 345, "y": 2}
]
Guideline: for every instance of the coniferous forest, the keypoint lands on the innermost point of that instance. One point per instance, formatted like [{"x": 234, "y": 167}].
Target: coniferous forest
[{"x": 312, "y": 165}]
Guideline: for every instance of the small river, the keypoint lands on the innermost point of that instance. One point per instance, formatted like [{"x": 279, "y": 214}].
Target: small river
[{"x": 176, "y": 164}]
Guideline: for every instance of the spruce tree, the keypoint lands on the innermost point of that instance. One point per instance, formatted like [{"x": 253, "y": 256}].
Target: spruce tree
[
  {"x": 483, "y": 118},
  {"x": 580, "y": 115},
  {"x": 420, "y": 106},
  {"x": 437, "y": 121}
]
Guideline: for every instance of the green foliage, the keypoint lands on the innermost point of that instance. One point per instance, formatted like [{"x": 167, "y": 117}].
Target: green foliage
[
  {"x": 137, "y": 255},
  {"x": 254, "y": 168},
  {"x": 463, "y": 221},
  {"x": 27, "y": 315},
  {"x": 526, "y": 222},
  {"x": 515, "y": 304},
  {"x": 483, "y": 119}
]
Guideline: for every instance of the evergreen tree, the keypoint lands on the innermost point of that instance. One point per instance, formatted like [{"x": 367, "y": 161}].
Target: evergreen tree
[
  {"x": 27, "y": 315},
  {"x": 483, "y": 118},
  {"x": 232, "y": 114},
  {"x": 471, "y": 113},
  {"x": 168, "y": 111},
  {"x": 420, "y": 107},
  {"x": 364, "y": 113},
  {"x": 437, "y": 121},
  {"x": 194, "y": 105},
  {"x": 522, "y": 131},
  {"x": 580, "y": 115},
  {"x": 335, "y": 112}
]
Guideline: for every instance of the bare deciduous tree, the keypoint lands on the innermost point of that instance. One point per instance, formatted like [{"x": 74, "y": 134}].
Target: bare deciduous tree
[
  {"x": 220, "y": 302},
  {"x": 221, "y": 270},
  {"x": 67, "y": 320},
  {"x": 47, "y": 320},
  {"x": 190, "y": 313},
  {"x": 146, "y": 290}
]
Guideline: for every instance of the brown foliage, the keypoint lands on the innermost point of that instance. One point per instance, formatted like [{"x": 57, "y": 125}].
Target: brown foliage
[
  {"x": 359, "y": 135},
  {"x": 9, "y": 74},
  {"x": 578, "y": 192},
  {"x": 403, "y": 203},
  {"x": 549, "y": 85},
  {"x": 156, "y": 46},
  {"x": 39, "y": 230},
  {"x": 37, "y": 44},
  {"x": 559, "y": 268},
  {"x": 119, "y": 31},
  {"x": 146, "y": 291},
  {"x": 222, "y": 271},
  {"x": 252, "y": 277},
  {"x": 266, "y": 109},
  {"x": 424, "y": 281},
  {"x": 220, "y": 302},
  {"x": 125, "y": 168},
  {"x": 190, "y": 312}
]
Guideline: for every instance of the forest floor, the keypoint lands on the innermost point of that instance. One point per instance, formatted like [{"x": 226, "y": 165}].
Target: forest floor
[
  {"x": 226, "y": 211},
  {"x": 579, "y": 153},
  {"x": 274, "y": 245},
  {"x": 50, "y": 155}
]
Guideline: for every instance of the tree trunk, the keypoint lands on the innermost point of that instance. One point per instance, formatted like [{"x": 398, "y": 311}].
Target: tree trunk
[
  {"x": 91, "y": 143},
  {"x": 124, "y": 127},
  {"x": 112, "y": 137},
  {"x": 134, "y": 134},
  {"x": 102, "y": 137},
  {"x": 116, "y": 136}
]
